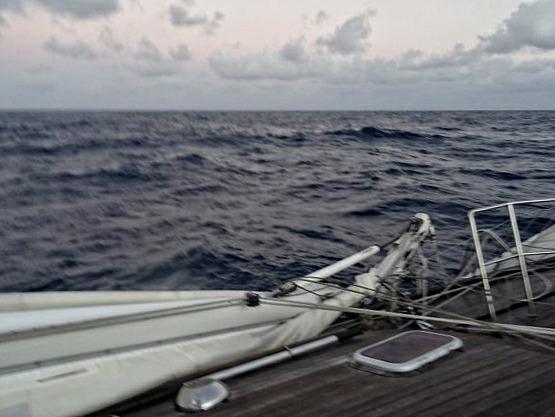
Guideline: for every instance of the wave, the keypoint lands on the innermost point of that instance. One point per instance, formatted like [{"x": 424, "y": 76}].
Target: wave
[
  {"x": 120, "y": 174},
  {"x": 237, "y": 200},
  {"x": 490, "y": 173},
  {"x": 364, "y": 212},
  {"x": 371, "y": 132}
]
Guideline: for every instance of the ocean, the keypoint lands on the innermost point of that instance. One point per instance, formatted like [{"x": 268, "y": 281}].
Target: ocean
[{"x": 235, "y": 200}]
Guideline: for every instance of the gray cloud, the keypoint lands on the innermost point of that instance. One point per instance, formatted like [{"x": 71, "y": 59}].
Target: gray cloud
[
  {"x": 75, "y": 50},
  {"x": 531, "y": 25},
  {"x": 350, "y": 37},
  {"x": 460, "y": 69},
  {"x": 181, "y": 53},
  {"x": 267, "y": 65},
  {"x": 270, "y": 65},
  {"x": 294, "y": 50},
  {"x": 147, "y": 51},
  {"x": 156, "y": 70},
  {"x": 106, "y": 36},
  {"x": 38, "y": 69},
  {"x": 40, "y": 86},
  {"x": 10, "y": 6},
  {"x": 536, "y": 66},
  {"x": 182, "y": 17},
  {"x": 458, "y": 56},
  {"x": 77, "y": 9},
  {"x": 321, "y": 17},
  {"x": 152, "y": 63},
  {"x": 81, "y": 9},
  {"x": 215, "y": 22}
]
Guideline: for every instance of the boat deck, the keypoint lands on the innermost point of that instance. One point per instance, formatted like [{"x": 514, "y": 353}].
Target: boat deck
[
  {"x": 488, "y": 378},
  {"x": 492, "y": 376}
]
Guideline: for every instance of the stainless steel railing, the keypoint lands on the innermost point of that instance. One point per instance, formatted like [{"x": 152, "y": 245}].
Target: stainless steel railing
[{"x": 521, "y": 254}]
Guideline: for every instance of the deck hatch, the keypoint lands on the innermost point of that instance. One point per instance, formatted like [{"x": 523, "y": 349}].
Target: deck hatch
[{"x": 406, "y": 352}]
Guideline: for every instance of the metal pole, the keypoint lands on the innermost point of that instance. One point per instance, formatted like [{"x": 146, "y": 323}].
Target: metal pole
[
  {"x": 522, "y": 261},
  {"x": 482, "y": 265},
  {"x": 272, "y": 359},
  {"x": 339, "y": 266}
]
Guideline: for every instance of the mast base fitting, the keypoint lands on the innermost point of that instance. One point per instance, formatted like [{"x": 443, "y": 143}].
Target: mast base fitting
[{"x": 252, "y": 299}]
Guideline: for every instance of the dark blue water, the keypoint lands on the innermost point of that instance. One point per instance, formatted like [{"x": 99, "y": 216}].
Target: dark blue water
[{"x": 244, "y": 199}]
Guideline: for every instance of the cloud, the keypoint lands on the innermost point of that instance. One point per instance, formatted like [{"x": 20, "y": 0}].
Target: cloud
[
  {"x": 270, "y": 65},
  {"x": 459, "y": 68},
  {"x": 38, "y": 69},
  {"x": 156, "y": 70},
  {"x": 107, "y": 38},
  {"x": 535, "y": 66},
  {"x": 336, "y": 60},
  {"x": 215, "y": 22},
  {"x": 13, "y": 6},
  {"x": 458, "y": 56},
  {"x": 75, "y": 50},
  {"x": 147, "y": 51},
  {"x": 351, "y": 37},
  {"x": 10, "y": 6},
  {"x": 321, "y": 17},
  {"x": 266, "y": 65},
  {"x": 531, "y": 25},
  {"x": 152, "y": 63},
  {"x": 294, "y": 50},
  {"x": 182, "y": 17},
  {"x": 181, "y": 53},
  {"x": 81, "y": 9},
  {"x": 77, "y": 9},
  {"x": 40, "y": 86}
]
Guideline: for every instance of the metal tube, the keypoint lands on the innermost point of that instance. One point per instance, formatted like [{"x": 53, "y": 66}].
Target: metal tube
[
  {"x": 514, "y": 203},
  {"x": 482, "y": 265},
  {"x": 343, "y": 264},
  {"x": 522, "y": 261},
  {"x": 273, "y": 358}
]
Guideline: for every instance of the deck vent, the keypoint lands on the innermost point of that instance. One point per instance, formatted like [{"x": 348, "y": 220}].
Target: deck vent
[
  {"x": 406, "y": 352},
  {"x": 201, "y": 395}
]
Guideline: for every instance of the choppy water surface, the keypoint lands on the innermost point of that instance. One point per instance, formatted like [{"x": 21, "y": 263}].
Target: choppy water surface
[{"x": 244, "y": 199}]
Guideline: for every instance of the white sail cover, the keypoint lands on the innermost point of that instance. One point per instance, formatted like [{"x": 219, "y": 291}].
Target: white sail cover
[
  {"x": 85, "y": 385},
  {"x": 69, "y": 354}
]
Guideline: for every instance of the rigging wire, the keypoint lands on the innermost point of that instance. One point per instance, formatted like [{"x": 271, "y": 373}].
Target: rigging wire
[
  {"x": 531, "y": 330},
  {"x": 439, "y": 311}
]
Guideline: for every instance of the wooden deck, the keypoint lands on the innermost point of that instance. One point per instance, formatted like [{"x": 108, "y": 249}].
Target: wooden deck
[
  {"x": 492, "y": 376},
  {"x": 488, "y": 378}
]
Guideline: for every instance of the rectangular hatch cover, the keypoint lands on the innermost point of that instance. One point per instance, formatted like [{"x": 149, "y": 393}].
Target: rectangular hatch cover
[{"x": 406, "y": 352}]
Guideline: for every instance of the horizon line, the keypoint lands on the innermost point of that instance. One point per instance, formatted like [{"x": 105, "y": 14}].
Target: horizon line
[{"x": 215, "y": 110}]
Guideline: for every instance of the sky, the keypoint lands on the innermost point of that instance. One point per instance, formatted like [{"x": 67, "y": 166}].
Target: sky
[{"x": 277, "y": 54}]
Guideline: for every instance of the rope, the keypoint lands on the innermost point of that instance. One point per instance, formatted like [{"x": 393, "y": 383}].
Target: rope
[
  {"x": 466, "y": 322},
  {"x": 410, "y": 303},
  {"x": 92, "y": 323}
]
